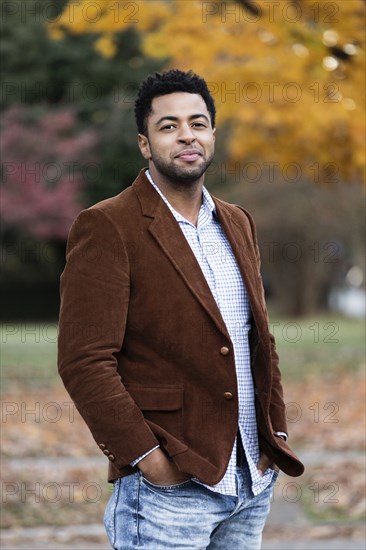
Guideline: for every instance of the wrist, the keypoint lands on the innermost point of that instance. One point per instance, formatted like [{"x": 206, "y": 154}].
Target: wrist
[{"x": 152, "y": 461}]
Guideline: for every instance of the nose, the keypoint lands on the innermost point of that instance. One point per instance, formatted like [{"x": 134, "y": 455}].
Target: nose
[{"x": 186, "y": 135}]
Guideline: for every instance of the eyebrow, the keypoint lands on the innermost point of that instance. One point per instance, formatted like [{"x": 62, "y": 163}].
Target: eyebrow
[{"x": 175, "y": 119}]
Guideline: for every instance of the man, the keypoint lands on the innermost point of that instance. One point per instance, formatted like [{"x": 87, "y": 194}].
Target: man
[{"x": 164, "y": 344}]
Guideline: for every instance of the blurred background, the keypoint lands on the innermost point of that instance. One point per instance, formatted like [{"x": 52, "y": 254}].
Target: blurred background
[{"x": 288, "y": 79}]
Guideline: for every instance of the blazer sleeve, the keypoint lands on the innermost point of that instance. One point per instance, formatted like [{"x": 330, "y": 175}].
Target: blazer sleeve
[{"x": 94, "y": 304}]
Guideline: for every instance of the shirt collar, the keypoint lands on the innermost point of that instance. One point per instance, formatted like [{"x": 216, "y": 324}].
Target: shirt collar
[{"x": 207, "y": 201}]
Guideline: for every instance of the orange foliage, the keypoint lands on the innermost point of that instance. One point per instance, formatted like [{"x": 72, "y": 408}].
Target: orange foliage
[{"x": 289, "y": 79}]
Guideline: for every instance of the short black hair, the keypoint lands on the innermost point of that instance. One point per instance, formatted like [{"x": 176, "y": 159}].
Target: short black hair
[{"x": 165, "y": 83}]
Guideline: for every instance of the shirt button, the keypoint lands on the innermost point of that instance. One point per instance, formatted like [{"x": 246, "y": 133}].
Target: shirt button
[
  {"x": 106, "y": 452},
  {"x": 228, "y": 395},
  {"x": 224, "y": 350},
  {"x": 111, "y": 458},
  {"x": 101, "y": 446}
]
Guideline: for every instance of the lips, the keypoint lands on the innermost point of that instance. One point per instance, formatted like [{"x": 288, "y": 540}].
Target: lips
[{"x": 189, "y": 155}]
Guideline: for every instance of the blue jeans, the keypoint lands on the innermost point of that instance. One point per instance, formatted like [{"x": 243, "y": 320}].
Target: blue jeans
[{"x": 187, "y": 516}]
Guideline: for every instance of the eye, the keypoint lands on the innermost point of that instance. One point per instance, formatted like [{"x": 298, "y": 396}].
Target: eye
[
  {"x": 167, "y": 127},
  {"x": 199, "y": 124}
]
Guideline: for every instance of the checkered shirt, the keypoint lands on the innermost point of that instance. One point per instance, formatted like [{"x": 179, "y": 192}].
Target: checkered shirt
[{"x": 213, "y": 252}]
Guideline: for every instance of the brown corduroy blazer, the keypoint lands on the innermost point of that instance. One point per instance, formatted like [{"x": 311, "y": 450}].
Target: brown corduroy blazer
[{"x": 143, "y": 350}]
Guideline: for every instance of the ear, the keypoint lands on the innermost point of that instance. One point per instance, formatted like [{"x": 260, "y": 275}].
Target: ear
[
  {"x": 144, "y": 146},
  {"x": 213, "y": 133}
]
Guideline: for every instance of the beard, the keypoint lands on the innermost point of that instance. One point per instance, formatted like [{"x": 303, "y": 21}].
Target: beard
[{"x": 181, "y": 175}]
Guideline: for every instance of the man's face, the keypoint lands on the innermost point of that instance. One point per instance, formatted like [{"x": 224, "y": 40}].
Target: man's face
[{"x": 180, "y": 142}]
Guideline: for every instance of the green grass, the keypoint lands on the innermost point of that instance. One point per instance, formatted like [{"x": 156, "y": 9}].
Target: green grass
[
  {"x": 315, "y": 345},
  {"x": 28, "y": 355},
  {"x": 319, "y": 345}
]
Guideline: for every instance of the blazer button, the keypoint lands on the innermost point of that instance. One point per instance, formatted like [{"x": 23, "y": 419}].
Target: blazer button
[
  {"x": 101, "y": 446},
  {"x": 224, "y": 350},
  {"x": 228, "y": 395},
  {"x": 106, "y": 452},
  {"x": 111, "y": 458}
]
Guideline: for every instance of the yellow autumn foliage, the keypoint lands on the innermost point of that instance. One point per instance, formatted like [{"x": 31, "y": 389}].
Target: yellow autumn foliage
[
  {"x": 106, "y": 45},
  {"x": 288, "y": 79}
]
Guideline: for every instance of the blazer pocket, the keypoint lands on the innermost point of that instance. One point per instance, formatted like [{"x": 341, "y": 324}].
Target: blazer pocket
[{"x": 162, "y": 407}]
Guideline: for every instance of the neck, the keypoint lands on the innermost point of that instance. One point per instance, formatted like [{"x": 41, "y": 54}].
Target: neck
[{"x": 184, "y": 198}]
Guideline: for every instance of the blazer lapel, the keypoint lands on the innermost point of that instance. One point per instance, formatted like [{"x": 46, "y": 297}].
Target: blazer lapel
[{"x": 167, "y": 233}]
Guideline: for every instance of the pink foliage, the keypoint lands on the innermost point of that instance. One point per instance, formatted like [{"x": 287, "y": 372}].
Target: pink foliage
[{"x": 44, "y": 165}]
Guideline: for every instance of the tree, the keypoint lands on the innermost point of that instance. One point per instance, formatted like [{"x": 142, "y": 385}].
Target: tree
[
  {"x": 67, "y": 143},
  {"x": 309, "y": 237},
  {"x": 44, "y": 163},
  {"x": 288, "y": 81},
  {"x": 287, "y": 76},
  {"x": 45, "y": 157},
  {"x": 39, "y": 70}
]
